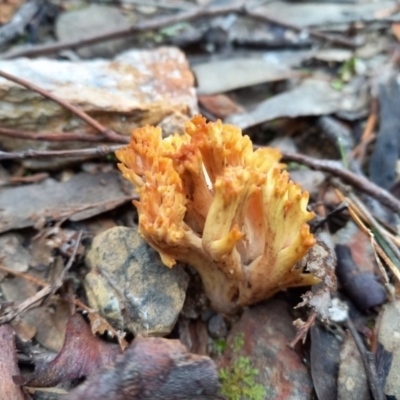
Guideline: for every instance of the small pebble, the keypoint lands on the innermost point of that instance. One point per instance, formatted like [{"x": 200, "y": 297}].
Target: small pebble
[{"x": 217, "y": 327}]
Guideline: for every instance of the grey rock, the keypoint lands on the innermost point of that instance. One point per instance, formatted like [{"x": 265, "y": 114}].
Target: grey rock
[
  {"x": 217, "y": 327},
  {"x": 130, "y": 286},
  {"x": 224, "y": 75},
  {"x": 81, "y": 23},
  {"x": 12, "y": 254},
  {"x": 311, "y": 97}
]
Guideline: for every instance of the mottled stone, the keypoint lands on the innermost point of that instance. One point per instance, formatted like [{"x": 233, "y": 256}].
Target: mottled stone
[
  {"x": 83, "y": 22},
  {"x": 13, "y": 254},
  {"x": 130, "y": 286},
  {"x": 217, "y": 327},
  {"x": 265, "y": 331}
]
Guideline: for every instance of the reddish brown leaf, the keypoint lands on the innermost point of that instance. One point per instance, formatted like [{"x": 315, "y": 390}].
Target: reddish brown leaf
[
  {"x": 8, "y": 365},
  {"x": 101, "y": 326},
  {"x": 82, "y": 354},
  {"x": 153, "y": 368}
]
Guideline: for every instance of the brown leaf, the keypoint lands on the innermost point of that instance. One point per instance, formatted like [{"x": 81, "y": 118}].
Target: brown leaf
[
  {"x": 26, "y": 206},
  {"x": 220, "y": 105},
  {"x": 396, "y": 30},
  {"x": 101, "y": 326},
  {"x": 82, "y": 354},
  {"x": 153, "y": 368},
  {"x": 321, "y": 261}
]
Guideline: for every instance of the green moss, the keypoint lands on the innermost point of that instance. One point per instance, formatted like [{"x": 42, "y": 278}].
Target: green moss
[
  {"x": 219, "y": 346},
  {"x": 238, "y": 381}
]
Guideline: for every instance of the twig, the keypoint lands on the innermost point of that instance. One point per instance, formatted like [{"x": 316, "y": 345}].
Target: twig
[
  {"x": 61, "y": 136},
  {"x": 180, "y": 6},
  {"x": 358, "y": 182},
  {"x": 368, "y": 360},
  {"x": 40, "y": 176},
  {"x": 48, "y": 289},
  {"x": 76, "y": 111},
  {"x": 59, "y": 281},
  {"x": 161, "y": 22},
  {"x": 91, "y": 152},
  {"x": 23, "y": 275},
  {"x": 323, "y": 220},
  {"x": 303, "y": 329},
  {"x": 375, "y": 246},
  {"x": 368, "y": 134},
  {"x": 363, "y": 210}
]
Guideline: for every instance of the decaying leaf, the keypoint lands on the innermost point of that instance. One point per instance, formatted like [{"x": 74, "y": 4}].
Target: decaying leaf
[
  {"x": 82, "y": 354},
  {"x": 153, "y": 368},
  {"x": 8, "y": 365},
  {"x": 321, "y": 262}
]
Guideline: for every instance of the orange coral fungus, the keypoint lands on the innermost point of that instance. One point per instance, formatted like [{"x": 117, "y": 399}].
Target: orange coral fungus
[{"x": 209, "y": 200}]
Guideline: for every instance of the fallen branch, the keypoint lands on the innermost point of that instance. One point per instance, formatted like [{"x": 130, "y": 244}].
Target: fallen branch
[
  {"x": 162, "y": 22},
  {"x": 91, "y": 152},
  {"x": 356, "y": 181}
]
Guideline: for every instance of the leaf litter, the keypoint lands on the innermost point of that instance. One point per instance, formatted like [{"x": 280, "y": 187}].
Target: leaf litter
[{"x": 315, "y": 74}]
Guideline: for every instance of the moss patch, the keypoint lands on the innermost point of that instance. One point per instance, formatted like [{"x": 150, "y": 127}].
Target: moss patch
[{"x": 238, "y": 380}]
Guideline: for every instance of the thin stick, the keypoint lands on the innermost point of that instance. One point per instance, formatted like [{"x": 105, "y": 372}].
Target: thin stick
[
  {"x": 368, "y": 360},
  {"x": 302, "y": 332},
  {"x": 91, "y": 152},
  {"x": 62, "y": 136},
  {"x": 59, "y": 281},
  {"x": 23, "y": 275},
  {"x": 362, "y": 210},
  {"x": 358, "y": 182},
  {"x": 375, "y": 247},
  {"x": 365, "y": 230},
  {"x": 368, "y": 134}
]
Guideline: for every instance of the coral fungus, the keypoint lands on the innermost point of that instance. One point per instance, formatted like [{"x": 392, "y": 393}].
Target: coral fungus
[{"x": 209, "y": 200}]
